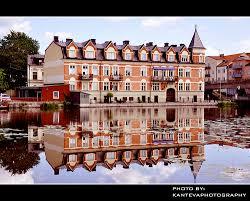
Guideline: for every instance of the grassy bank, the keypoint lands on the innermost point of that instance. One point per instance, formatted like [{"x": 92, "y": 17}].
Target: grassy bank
[
  {"x": 227, "y": 104},
  {"x": 49, "y": 106}
]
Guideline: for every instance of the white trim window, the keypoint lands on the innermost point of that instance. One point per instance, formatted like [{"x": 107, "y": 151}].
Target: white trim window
[
  {"x": 105, "y": 86},
  {"x": 90, "y": 157},
  {"x": 56, "y": 95},
  {"x": 143, "y": 71},
  {"x": 201, "y": 58},
  {"x": 115, "y": 86},
  {"x": 127, "y": 154},
  {"x": 95, "y": 86},
  {"x": 188, "y": 72},
  {"x": 143, "y": 55},
  {"x": 56, "y": 117},
  {"x": 110, "y": 155},
  {"x": 95, "y": 70},
  {"x": 200, "y": 86},
  {"x": 184, "y": 56},
  {"x": 156, "y": 86},
  {"x": 171, "y": 57},
  {"x": 156, "y": 152},
  {"x": 128, "y": 139},
  {"x": 72, "y": 143},
  {"x": 85, "y": 142},
  {"x": 156, "y": 56},
  {"x": 90, "y": 52},
  {"x": 143, "y": 139},
  {"x": 72, "y": 52},
  {"x": 115, "y": 140},
  {"x": 106, "y": 71},
  {"x": 111, "y": 53},
  {"x": 200, "y": 136},
  {"x": 85, "y": 70},
  {"x": 180, "y": 86},
  {"x": 180, "y": 72},
  {"x": 95, "y": 142},
  {"x": 187, "y": 137},
  {"x": 115, "y": 70},
  {"x": 180, "y": 138},
  {"x": 187, "y": 86},
  {"x": 85, "y": 86},
  {"x": 128, "y": 55},
  {"x": 72, "y": 84},
  {"x": 128, "y": 71},
  {"x": 72, "y": 158},
  {"x": 106, "y": 141},
  {"x": 72, "y": 69},
  {"x": 171, "y": 152},
  {"x": 143, "y": 153},
  {"x": 183, "y": 150},
  {"x": 143, "y": 86},
  {"x": 127, "y": 86}
]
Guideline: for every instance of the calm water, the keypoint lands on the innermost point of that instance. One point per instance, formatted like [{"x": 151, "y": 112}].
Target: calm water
[{"x": 125, "y": 145}]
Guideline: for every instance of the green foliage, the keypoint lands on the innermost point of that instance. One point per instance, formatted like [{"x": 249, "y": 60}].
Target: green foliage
[
  {"x": 67, "y": 103},
  {"x": 3, "y": 81},
  {"x": 49, "y": 106},
  {"x": 109, "y": 94},
  {"x": 14, "y": 50}
]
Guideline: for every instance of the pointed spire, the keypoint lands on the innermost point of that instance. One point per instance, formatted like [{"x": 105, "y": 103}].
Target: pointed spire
[{"x": 196, "y": 41}]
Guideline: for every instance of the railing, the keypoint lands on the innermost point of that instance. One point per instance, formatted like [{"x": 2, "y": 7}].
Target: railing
[
  {"x": 164, "y": 79},
  {"x": 86, "y": 77},
  {"x": 236, "y": 75},
  {"x": 116, "y": 77},
  {"x": 237, "y": 67}
]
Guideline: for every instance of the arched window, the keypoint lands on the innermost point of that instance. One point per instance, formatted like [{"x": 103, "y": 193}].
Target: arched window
[
  {"x": 90, "y": 52},
  {"x": 111, "y": 53},
  {"x": 156, "y": 56},
  {"x": 143, "y": 85},
  {"x": 171, "y": 57},
  {"x": 201, "y": 58},
  {"x": 72, "y": 52},
  {"x": 184, "y": 56},
  {"x": 72, "y": 84}
]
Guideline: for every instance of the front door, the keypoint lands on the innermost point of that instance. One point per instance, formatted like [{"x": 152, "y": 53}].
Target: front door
[
  {"x": 143, "y": 99},
  {"x": 170, "y": 95},
  {"x": 195, "y": 98},
  {"x": 156, "y": 99}
]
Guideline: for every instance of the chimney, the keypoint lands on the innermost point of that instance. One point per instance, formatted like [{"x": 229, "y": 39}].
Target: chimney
[
  {"x": 166, "y": 44},
  {"x": 93, "y": 41},
  {"x": 181, "y": 44},
  {"x": 221, "y": 55},
  {"x": 149, "y": 44},
  {"x": 125, "y": 42},
  {"x": 114, "y": 44},
  {"x": 174, "y": 45},
  {"x": 56, "y": 39}
]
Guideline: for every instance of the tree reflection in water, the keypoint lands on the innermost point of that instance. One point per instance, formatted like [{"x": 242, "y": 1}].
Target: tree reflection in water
[{"x": 15, "y": 158}]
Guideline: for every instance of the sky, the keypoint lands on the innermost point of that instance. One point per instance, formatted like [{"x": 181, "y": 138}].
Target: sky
[{"x": 220, "y": 35}]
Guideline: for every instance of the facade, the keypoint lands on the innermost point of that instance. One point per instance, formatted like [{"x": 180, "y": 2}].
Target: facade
[
  {"x": 142, "y": 73},
  {"x": 35, "y": 70}
]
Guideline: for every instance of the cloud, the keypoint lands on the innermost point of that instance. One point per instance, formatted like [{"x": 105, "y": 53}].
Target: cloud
[
  {"x": 62, "y": 35},
  {"x": 7, "y": 178},
  {"x": 158, "y": 21},
  {"x": 14, "y": 23}
]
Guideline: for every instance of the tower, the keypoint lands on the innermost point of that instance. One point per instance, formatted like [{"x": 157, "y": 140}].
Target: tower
[{"x": 196, "y": 48}]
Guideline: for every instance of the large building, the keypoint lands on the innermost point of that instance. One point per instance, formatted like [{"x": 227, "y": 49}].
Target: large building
[
  {"x": 35, "y": 70},
  {"x": 132, "y": 73}
]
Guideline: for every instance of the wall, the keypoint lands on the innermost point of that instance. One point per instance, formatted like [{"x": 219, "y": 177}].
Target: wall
[{"x": 47, "y": 92}]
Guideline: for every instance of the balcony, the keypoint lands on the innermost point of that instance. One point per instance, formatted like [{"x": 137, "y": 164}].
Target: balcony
[
  {"x": 237, "y": 67},
  {"x": 163, "y": 79},
  {"x": 115, "y": 77},
  {"x": 207, "y": 67},
  {"x": 86, "y": 77},
  {"x": 207, "y": 75},
  {"x": 237, "y": 75}
]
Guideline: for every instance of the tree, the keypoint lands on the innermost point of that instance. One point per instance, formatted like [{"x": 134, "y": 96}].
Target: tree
[
  {"x": 3, "y": 81},
  {"x": 110, "y": 95},
  {"x": 14, "y": 50}
]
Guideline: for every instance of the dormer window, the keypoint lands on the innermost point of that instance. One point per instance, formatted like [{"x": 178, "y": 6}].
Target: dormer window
[
  {"x": 90, "y": 52},
  {"x": 127, "y": 55},
  {"x": 171, "y": 57},
  {"x": 111, "y": 53},
  {"x": 184, "y": 57},
  {"x": 156, "y": 56},
  {"x": 143, "y": 55},
  {"x": 72, "y": 52}
]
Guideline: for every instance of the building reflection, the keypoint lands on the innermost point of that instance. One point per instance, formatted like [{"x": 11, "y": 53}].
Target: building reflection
[{"x": 125, "y": 136}]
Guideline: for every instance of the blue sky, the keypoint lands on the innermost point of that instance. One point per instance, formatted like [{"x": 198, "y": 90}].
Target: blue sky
[{"x": 226, "y": 35}]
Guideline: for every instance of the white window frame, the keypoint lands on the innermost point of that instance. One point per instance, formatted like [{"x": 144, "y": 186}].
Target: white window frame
[
  {"x": 90, "y": 52},
  {"x": 128, "y": 71},
  {"x": 105, "y": 70},
  {"x": 143, "y": 86},
  {"x": 72, "y": 52},
  {"x": 70, "y": 71},
  {"x": 127, "y": 86},
  {"x": 90, "y": 157},
  {"x": 143, "y": 71},
  {"x": 107, "y": 85},
  {"x": 95, "y": 70},
  {"x": 181, "y": 72},
  {"x": 56, "y": 97},
  {"x": 143, "y": 52}
]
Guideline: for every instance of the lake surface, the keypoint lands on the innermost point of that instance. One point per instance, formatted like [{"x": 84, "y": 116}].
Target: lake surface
[{"x": 125, "y": 145}]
